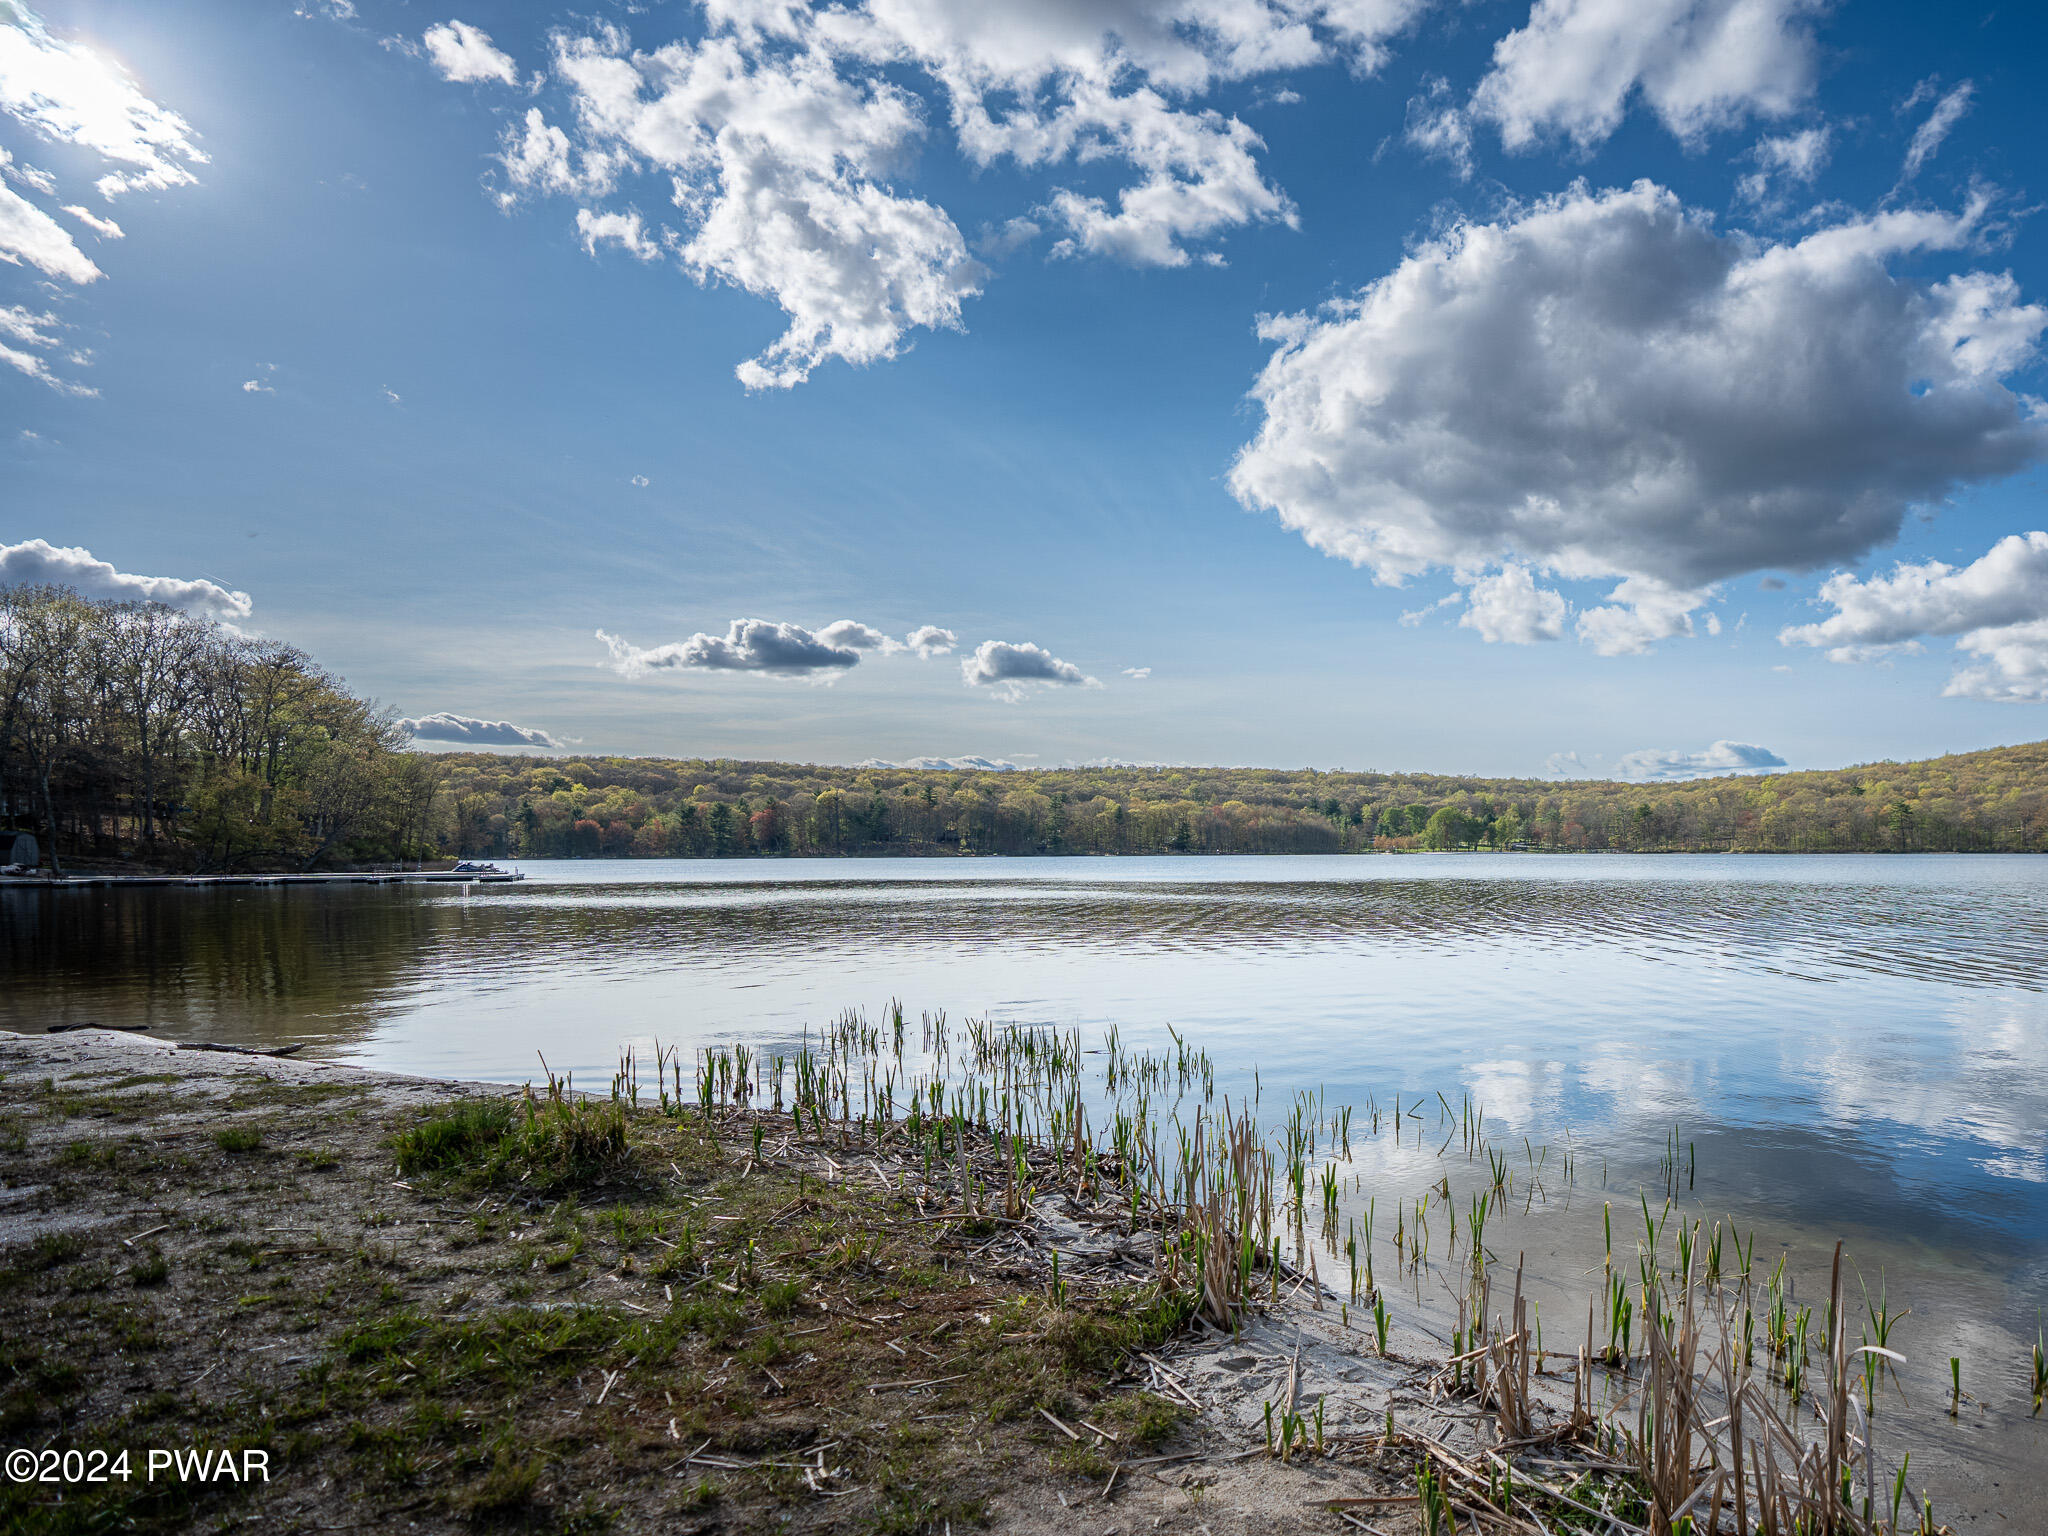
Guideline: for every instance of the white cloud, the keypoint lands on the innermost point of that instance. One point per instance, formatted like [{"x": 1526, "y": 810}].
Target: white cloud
[
  {"x": 37, "y": 562},
  {"x": 1794, "y": 157},
  {"x": 1567, "y": 765},
  {"x": 1928, "y": 137},
  {"x": 391, "y": 396},
  {"x": 1998, "y": 605},
  {"x": 641, "y": 481},
  {"x": 777, "y": 160},
  {"x": 748, "y": 645},
  {"x": 850, "y": 635},
  {"x": 782, "y": 131},
  {"x": 1643, "y": 611},
  {"x": 27, "y": 234},
  {"x": 1009, "y": 668},
  {"x": 71, "y": 94},
  {"x": 2016, "y": 665},
  {"x": 481, "y": 733},
  {"x": 928, "y": 640},
  {"x": 32, "y": 330},
  {"x": 256, "y": 387},
  {"x": 464, "y": 53},
  {"x": 1137, "y": 674},
  {"x": 2007, "y": 585},
  {"x": 946, "y": 764},
  {"x": 1510, "y": 608},
  {"x": 106, "y": 229},
  {"x": 1603, "y": 385},
  {"x": 538, "y": 157},
  {"x": 621, "y": 229},
  {"x": 1440, "y": 128},
  {"x": 1721, "y": 757},
  {"x": 1698, "y": 65},
  {"x": 27, "y": 175}
]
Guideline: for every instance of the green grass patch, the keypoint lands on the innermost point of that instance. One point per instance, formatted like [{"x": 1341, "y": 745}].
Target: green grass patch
[{"x": 547, "y": 1144}]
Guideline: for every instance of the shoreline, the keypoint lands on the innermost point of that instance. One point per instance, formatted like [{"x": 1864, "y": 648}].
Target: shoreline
[
  {"x": 511, "y": 877},
  {"x": 161, "y": 1199},
  {"x": 226, "y": 1228},
  {"x": 707, "y": 1317}
]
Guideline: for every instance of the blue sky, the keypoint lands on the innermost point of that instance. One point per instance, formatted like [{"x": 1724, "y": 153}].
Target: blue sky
[{"x": 1671, "y": 368}]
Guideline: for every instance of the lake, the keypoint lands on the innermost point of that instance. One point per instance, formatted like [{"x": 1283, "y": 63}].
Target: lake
[{"x": 1840, "y": 1046}]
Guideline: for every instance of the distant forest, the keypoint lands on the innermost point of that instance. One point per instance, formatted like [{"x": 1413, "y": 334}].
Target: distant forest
[
  {"x": 635, "y": 807},
  {"x": 133, "y": 735}
]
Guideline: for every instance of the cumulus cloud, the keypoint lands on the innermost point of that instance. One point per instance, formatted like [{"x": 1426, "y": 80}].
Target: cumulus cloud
[
  {"x": 2014, "y": 666},
  {"x": 641, "y": 481},
  {"x": 1721, "y": 757},
  {"x": 1643, "y": 611},
  {"x": 928, "y": 640},
  {"x": 1998, "y": 605},
  {"x": 71, "y": 94},
  {"x": 748, "y": 645},
  {"x": 1928, "y": 137},
  {"x": 1698, "y": 65},
  {"x": 37, "y": 562},
  {"x": 947, "y": 764},
  {"x": 479, "y": 733},
  {"x": 464, "y": 53},
  {"x": 1137, "y": 674},
  {"x": 1510, "y": 608},
  {"x": 783, "y": 132},
  {"x": 1011, "y": 668},
  {"x": 1603, "y": 385},
  {"x": 847, "y": 634}
]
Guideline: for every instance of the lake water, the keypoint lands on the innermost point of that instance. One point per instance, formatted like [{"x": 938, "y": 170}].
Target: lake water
[{"x": 1850, "y": 1047}]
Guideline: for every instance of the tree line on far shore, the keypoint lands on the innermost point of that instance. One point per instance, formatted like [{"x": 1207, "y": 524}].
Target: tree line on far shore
[
  {"x": 623, "y": 807},
  {"x": 132, "y": 732}
]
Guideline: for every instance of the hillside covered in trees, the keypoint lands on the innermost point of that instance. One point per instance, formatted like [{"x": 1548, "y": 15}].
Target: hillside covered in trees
[
  {"x": 620, "y": 807},
  {"x": 133, "y": 734}
]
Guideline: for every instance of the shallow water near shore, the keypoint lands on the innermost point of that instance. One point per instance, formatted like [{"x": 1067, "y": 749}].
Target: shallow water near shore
[{"x": 1851, "y": 1047}]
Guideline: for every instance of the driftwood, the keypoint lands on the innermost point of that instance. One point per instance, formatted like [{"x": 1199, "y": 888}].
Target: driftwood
[{"x": 240, "y": 1050}]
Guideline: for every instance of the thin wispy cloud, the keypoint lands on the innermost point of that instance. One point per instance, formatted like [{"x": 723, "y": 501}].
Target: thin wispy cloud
[{"x": 1933, "y": 133}]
